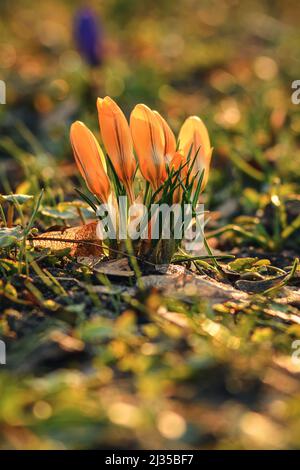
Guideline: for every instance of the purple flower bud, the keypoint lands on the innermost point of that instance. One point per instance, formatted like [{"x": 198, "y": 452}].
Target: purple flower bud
[{"x": 88, "y": 36}]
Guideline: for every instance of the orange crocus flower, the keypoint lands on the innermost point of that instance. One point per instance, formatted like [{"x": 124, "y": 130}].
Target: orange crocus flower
[
  {"x": 117, "y": 140},
  {"x": 179, "y": 161},
  {"x": 149, "y": 144},
  {"x": 90, "y": 160},
  {"x": 193, "y": 138}
]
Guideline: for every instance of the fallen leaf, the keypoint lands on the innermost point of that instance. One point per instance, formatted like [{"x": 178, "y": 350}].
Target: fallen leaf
[
  {"x": 119, "y": 267},
  {"x": 81, "y": 240}
]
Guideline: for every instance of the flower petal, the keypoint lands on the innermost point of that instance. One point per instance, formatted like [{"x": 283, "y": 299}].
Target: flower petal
[
  {"x": 117, "y": 139},
  {"x": 193, "y": 137},
  {"x": 89, "y": 158},
  {"x": 148, "y": 140},
  {"x": 193, "y": 132},
  {"x": 169, "y": 138}
]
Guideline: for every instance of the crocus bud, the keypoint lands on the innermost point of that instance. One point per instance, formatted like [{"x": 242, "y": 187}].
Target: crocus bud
[
  {"x": 88, "y": 36},
  {"x": 194, "y": 140}
]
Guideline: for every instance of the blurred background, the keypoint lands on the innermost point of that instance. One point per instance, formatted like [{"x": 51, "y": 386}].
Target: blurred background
[
  {"x": 231, "y": 62},
  {"x": 228, "y": 61}
]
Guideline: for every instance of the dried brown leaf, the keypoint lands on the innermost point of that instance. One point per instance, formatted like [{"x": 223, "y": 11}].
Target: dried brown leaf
[{"x": 81, "y": 240}]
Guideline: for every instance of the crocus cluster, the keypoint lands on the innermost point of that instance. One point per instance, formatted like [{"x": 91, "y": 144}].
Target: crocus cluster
[{"x": 146, "y": 143}]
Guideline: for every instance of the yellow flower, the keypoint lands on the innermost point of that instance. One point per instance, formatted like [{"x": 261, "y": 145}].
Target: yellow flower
[
  {"x": 90, "y": 160},
  {"x": 194, "y": 138}
]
